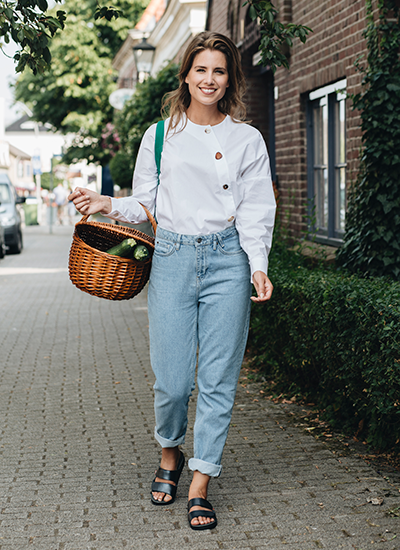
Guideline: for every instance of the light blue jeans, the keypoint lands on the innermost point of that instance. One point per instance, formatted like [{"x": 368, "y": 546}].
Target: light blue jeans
[{"x": 199, "y": 299}]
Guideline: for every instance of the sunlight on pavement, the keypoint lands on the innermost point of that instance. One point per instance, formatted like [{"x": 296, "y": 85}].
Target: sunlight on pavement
[{"x": 30, "y": 270}]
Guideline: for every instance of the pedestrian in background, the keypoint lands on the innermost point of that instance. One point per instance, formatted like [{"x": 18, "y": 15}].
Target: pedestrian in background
[
  {"x": 60, "y": 198},
  {"x": 215, "y": 208},
  {"x": 71, "y": 209}
]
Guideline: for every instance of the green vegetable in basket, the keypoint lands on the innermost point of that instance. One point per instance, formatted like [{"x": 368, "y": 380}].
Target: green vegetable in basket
[
  {"x": 140, "y": 253},
  {"x": 123, "y": 249}
]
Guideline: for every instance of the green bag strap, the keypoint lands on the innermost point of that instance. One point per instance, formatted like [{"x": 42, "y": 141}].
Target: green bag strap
[
  {"x": 157, "y": 153},
  {"x": 159, "y": 144}
]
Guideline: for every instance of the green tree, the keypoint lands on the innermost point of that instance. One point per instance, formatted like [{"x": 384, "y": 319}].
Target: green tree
[
  {"x": 144, "y": 108},
  {"x": 73, "y": 94},
  {"x": 371, "y": 241},
  {"x": 31, "y": 26}
]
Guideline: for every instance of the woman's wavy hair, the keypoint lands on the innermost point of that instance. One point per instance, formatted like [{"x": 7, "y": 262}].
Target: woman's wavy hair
[{"x": 176, "y": 103}]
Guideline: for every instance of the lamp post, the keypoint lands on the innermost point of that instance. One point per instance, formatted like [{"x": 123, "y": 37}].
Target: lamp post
[{"x": 143, "y": 54}]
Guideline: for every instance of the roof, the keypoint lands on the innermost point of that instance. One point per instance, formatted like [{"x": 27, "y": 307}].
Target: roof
[
  {"x": 15, "y": 152},
  {"x": 151, "y": 15},
  {"x": 26, "y": 124}
]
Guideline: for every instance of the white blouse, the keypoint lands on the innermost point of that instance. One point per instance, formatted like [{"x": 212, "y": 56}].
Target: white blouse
[{"x": 212, "y": 177}]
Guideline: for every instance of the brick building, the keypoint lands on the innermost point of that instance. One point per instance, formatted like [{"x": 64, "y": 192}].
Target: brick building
[{"x": 312, "y": 133}]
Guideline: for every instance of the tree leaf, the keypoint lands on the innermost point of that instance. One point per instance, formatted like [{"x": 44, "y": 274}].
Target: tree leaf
[
  {"x": 253, "y": 13},
  {"x": 42, "y": 5}
]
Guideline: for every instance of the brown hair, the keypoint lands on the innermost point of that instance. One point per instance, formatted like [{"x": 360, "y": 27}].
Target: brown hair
[{"x": 176, "y": 102}]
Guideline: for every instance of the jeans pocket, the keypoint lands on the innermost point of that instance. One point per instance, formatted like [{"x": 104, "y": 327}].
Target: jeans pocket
[
  {"x": 230, "y": 247},
  {"x": 164, "y": 248}
]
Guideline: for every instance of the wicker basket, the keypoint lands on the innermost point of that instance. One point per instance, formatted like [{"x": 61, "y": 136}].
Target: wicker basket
[{"x": 94, "y": 271}]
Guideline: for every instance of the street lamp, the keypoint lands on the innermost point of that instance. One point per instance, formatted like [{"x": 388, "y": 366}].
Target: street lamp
[{"x": 143, "y": 54}]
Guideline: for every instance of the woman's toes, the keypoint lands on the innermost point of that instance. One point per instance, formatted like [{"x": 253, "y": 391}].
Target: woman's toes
[
  {"x": 201, "y": 520},
  {"x": 162, "y": 497}
]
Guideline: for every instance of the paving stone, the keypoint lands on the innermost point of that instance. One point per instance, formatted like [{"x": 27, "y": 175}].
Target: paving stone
[{"x": 78, "y": 453}]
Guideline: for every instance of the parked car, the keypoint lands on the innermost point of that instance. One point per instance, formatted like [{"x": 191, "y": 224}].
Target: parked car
[
  {"x": 2, "y": 242},
  {"x": 9, "y": 215}
]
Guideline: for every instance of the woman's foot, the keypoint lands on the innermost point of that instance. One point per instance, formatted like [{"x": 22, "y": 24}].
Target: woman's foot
[
  {"x": 169, "y": 461},
  {"x": 198, "y": 489}
]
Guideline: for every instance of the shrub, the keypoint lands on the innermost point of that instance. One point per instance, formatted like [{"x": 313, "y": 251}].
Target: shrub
[
  {"x": 334, "y": 337},
  {"x": 121, "y": 169},
  {"x": 371, "y": 241}
]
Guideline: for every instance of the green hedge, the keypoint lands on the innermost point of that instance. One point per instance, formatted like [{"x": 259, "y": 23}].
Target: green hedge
[{"x": 334, "y": 338}]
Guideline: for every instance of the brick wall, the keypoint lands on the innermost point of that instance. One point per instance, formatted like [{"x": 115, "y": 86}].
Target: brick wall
[
  {"x": 218, "y": 16},
  {"x": 327, "y": 56}
]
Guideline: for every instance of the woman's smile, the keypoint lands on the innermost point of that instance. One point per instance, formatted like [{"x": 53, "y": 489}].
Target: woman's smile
[{"x": 207, "y": 90}]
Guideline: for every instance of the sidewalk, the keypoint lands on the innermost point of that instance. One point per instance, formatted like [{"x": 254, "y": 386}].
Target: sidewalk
[{"x": 77, "y": 449}]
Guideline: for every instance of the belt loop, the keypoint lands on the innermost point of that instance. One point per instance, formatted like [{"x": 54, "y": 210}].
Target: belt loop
[
  {"x": 178, "y": 242},
  {"x": 215, "y": 239},
  {"x": 220, "y": 240}
]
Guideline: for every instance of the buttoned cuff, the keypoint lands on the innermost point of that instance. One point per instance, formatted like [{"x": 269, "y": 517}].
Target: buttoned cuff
[
  {"x": 115, "y": 214},
  {"x": 258, "y": 264}
]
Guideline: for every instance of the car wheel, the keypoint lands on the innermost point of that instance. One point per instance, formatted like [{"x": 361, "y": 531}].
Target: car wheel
[
  {"x": 17, "y": 247},
  {"x": 2, "y": 250}
]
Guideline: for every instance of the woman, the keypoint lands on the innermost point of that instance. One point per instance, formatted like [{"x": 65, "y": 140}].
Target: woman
[{"x": 215, "y": 209}]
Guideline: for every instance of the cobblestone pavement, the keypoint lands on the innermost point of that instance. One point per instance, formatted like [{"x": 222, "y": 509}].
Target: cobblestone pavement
[{"x": 77, "y": 447}]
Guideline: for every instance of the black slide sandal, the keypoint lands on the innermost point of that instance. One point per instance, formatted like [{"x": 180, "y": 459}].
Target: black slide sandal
[
  {"x": 209, "y": 513},
  {"x": 167, "y": 488}
]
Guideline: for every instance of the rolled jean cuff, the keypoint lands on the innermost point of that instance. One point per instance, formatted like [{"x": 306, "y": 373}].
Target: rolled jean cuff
[
  {"x": 168, "y": 442},
  {"x": 212, "y": 470}
]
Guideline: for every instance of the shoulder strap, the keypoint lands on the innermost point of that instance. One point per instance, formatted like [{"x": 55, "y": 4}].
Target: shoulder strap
[
  {"x": 159, "y": 144},
  {"x": 158, "y": 147}
]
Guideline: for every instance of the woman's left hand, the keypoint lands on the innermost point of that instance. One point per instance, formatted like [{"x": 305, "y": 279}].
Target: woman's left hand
[{"x": 263, "y": 287}]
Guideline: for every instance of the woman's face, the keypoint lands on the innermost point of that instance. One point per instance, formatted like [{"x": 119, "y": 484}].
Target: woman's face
[{"x": 208, "y": 78}]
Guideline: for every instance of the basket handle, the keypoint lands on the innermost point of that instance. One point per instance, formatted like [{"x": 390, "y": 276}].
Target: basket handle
[
  {"x": 149, "y": 216},
  {"x": 151, "y": 219}
]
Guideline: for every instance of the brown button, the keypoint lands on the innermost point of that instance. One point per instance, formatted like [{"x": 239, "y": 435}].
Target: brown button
[
  {"x": 226, "y": 186},
  {"x": 218, "y": 155},
  {"x": 231, "y": 219}
]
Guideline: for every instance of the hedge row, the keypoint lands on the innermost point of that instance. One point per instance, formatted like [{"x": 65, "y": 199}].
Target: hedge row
[{"x": 334, "y": 338}]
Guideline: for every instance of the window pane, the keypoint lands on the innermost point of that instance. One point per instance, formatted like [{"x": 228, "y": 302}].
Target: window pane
[
  {"x": 320, "y": 138},
  {"x": 321, "y": 133},
  {"x": 340, "y": 131},
  {"x": 5, "y": 196},
  {"x": 340, "y": 198},
  {"x": 321, "y": 197},
  {"x": 340, "y": 164}
]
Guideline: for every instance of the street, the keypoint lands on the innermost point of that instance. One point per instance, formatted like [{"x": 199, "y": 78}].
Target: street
[{"x": 77, "y": 447}]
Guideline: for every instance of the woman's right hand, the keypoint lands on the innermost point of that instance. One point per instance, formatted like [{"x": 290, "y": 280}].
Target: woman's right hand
[{"x": 89, "y": 202}]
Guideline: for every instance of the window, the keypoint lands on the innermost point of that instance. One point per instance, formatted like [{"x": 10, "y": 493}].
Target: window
[
  {"x": 5, "y": 197},
  {"x": 326, "y": 137}
]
